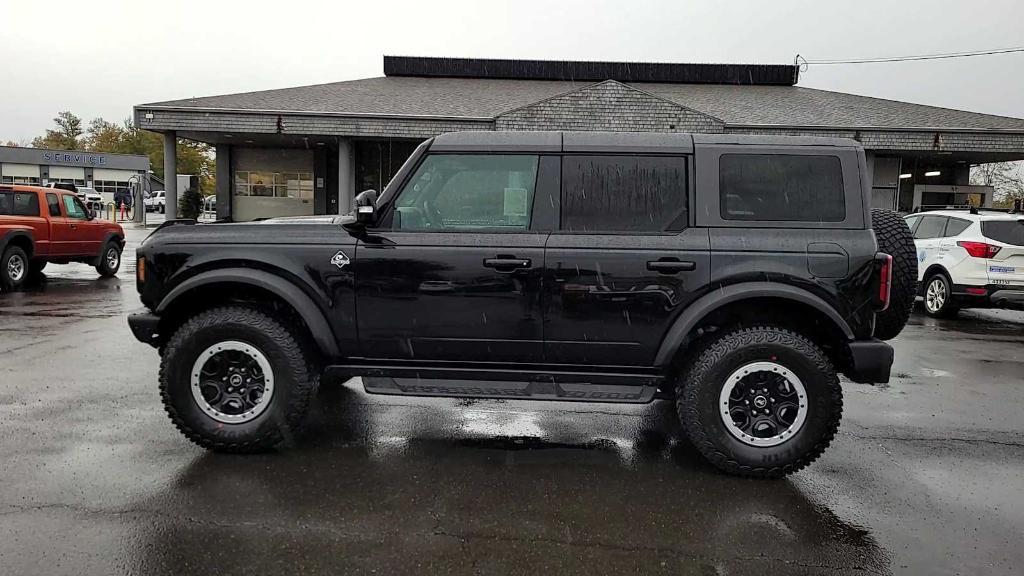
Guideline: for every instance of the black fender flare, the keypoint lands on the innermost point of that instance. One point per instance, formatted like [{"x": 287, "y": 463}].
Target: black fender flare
[
  {"x": 283, "y": 288},
  {"x": 18, "y": 233},
  {"x": 680, "y": 331}
]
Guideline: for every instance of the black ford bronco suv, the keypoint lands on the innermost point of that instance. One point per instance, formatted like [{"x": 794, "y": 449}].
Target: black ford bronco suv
[{"x": 734, "y": 275}]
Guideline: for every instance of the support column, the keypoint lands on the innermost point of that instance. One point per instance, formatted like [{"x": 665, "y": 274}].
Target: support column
[
  {"x": 171, "y": 173},
  {"x": 346, "y": 176},
  {"x": 223, "y": 187}
]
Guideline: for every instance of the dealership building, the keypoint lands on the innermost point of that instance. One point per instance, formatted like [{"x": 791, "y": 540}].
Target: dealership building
[
  {"x": 310, "y": 149},
  {"x": 107, "y": 173}
]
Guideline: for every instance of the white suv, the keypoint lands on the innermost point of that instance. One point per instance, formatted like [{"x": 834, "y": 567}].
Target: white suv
[{"x": 969, "y": 259}]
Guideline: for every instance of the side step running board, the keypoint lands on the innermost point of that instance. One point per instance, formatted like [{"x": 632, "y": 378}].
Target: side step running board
[{"x": 491, "y": 383}]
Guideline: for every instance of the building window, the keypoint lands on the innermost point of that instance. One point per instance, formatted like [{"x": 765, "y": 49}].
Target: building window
[
  {"x": 111, "y": 186},
  {"x": 20, "y": 180},
  {"x": 75, "y": 181},
  {"x": 274, "y": 184}
]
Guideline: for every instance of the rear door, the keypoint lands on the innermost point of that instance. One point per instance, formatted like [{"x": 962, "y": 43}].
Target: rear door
[
  {"x": 454, "y": 270},
  {"x": 1007, "y": 266},
  {"x": 625, "y": 260}
]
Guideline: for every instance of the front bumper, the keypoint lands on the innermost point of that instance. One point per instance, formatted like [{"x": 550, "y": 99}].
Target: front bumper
[
  {"x": 870, "y": 362},
  {"x": 145, "y": 326}
]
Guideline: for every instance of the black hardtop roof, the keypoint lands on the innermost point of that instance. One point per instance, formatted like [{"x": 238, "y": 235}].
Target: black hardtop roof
[{"x": 611, "y": 142}]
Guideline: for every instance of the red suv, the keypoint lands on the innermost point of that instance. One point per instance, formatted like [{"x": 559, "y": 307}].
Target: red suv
[{"x": 42, "y": 225}]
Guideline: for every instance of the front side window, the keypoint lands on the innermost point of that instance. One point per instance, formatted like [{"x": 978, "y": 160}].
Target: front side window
[
  {"x": 781, "y": 188},
  {"x": 19, "y": 204},
  {"x": 453, "y": 192},
  {"x": 623, "y": 193},
  {"x": 73, "y": 207},
  {"x": 930, "y": 227}
]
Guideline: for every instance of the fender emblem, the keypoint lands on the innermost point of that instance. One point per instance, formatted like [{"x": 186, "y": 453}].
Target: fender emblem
[{"x": 340, "y": 259}]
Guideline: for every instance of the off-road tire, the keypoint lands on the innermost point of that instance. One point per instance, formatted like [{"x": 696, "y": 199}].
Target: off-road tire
[
  {"x": 697, "y": 401},
  {"x": 7, "y": 282},
  {"x": 103, "y": 266},
  {"x": 295, "y": 379},
  {"x": 894, "y": 238},
  {"x": 949, "y": 308}
]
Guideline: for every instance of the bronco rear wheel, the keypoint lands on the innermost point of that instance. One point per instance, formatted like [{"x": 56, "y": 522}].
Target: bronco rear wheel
[
  {"x": 894, "y": 238},
  {"x": 235, "y": 379},
  {"x": 760, "y": 402}
]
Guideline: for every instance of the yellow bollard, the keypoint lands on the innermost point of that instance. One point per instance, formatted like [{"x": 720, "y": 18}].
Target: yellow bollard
[{"x": 112, "y": 208}]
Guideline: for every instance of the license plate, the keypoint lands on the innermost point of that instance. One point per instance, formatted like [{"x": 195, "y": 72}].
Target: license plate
[{"x": 1002, "y": 269}]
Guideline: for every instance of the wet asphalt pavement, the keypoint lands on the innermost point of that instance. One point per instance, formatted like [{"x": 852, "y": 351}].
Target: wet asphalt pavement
[{"x": 926, "y": 475}]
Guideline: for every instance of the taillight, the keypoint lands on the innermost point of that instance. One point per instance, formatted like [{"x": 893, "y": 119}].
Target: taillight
[
  {"x": 885, "y": 282},
  {"x": 140, "y": 271},
  {"x": 978, "y": 249}
]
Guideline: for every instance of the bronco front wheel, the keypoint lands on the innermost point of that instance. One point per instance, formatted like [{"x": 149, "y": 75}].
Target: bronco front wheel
[
  {"x": 235, "y": 379},
  {"x": 760, "y": 402}
]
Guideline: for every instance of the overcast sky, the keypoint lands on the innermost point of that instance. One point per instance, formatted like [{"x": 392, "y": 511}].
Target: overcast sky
[{"x": 99, "y": 57}]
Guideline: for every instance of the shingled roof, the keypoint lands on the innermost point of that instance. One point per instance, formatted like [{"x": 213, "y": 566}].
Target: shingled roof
[{"x": 438, "y": 94}]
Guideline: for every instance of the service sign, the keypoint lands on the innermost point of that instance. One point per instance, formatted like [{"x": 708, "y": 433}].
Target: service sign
[{"x": 74, "y": 158}]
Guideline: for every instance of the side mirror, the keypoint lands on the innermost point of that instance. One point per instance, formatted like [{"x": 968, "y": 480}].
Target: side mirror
[{"x": 366, "y": 207}]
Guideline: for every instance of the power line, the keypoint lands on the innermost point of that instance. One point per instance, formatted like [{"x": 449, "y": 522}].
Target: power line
[{"x": 943, "y": 56}]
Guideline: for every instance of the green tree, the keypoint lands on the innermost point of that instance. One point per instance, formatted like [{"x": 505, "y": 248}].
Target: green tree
[
  {"x": 126, "y": 138},
  {"x": 65, "y": 137}
]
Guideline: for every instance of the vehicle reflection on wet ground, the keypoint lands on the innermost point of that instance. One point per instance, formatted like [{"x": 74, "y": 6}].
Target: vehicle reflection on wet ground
[{"x": 924, "y": 476}]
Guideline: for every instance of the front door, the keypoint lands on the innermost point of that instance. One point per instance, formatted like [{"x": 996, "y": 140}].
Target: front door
[
  {"x": 624, "y": 263},
  {"x": 454, "y": 270},
  {"x": 69, "y": 232}
]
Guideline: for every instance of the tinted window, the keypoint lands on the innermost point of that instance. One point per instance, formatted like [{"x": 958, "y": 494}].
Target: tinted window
[
  {"x": 1006, "y": 231},
  {"x": 955, "y": 226},
  {"x": 930, "y": 227},
  {"x": 465, "y": 192},
  {"x": 781, "y": 188},
  {"x": 912, "y": 221},
  {"x": 53, "y": 203},
  {"x": 73, "y": 207},
  {"x": 623, "y": 193},
  {"x": 19, "y": 204}
]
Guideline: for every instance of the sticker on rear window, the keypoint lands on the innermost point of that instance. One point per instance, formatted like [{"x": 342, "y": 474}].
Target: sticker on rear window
[{"x": 1002, "y": 269}]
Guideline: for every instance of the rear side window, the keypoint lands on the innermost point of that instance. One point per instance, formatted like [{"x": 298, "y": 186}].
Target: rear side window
[
  {"x": 1005, "y": 231},
  {"x": 53, "y": 204},
  {"x": 956, "y": 226},
  {"x": 776, "y": 187},
  {"x": 19, "y": 204},
  {"x": 930, "y": 227},
  {"x": 624, "y": 193}
]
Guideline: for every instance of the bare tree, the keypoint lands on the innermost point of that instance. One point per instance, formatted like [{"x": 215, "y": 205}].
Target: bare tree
[{"x": 1007, "y": 178}]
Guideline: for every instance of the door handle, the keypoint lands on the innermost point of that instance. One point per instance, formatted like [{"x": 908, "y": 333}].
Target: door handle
[
  {"x": 671, "y": 266},
  {"x": 74, "y": 226},
  {"x": 506, "y": 263}
]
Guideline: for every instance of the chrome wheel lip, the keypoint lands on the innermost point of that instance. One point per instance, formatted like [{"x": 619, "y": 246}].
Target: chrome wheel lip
[
  {"x": 249, "y": 350},
  {"x": 753, "y": 368},
  {"x": 16, "y": 268},
  {"x": 113, "y": 258},
  {"x": 935, "y": 295}
]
